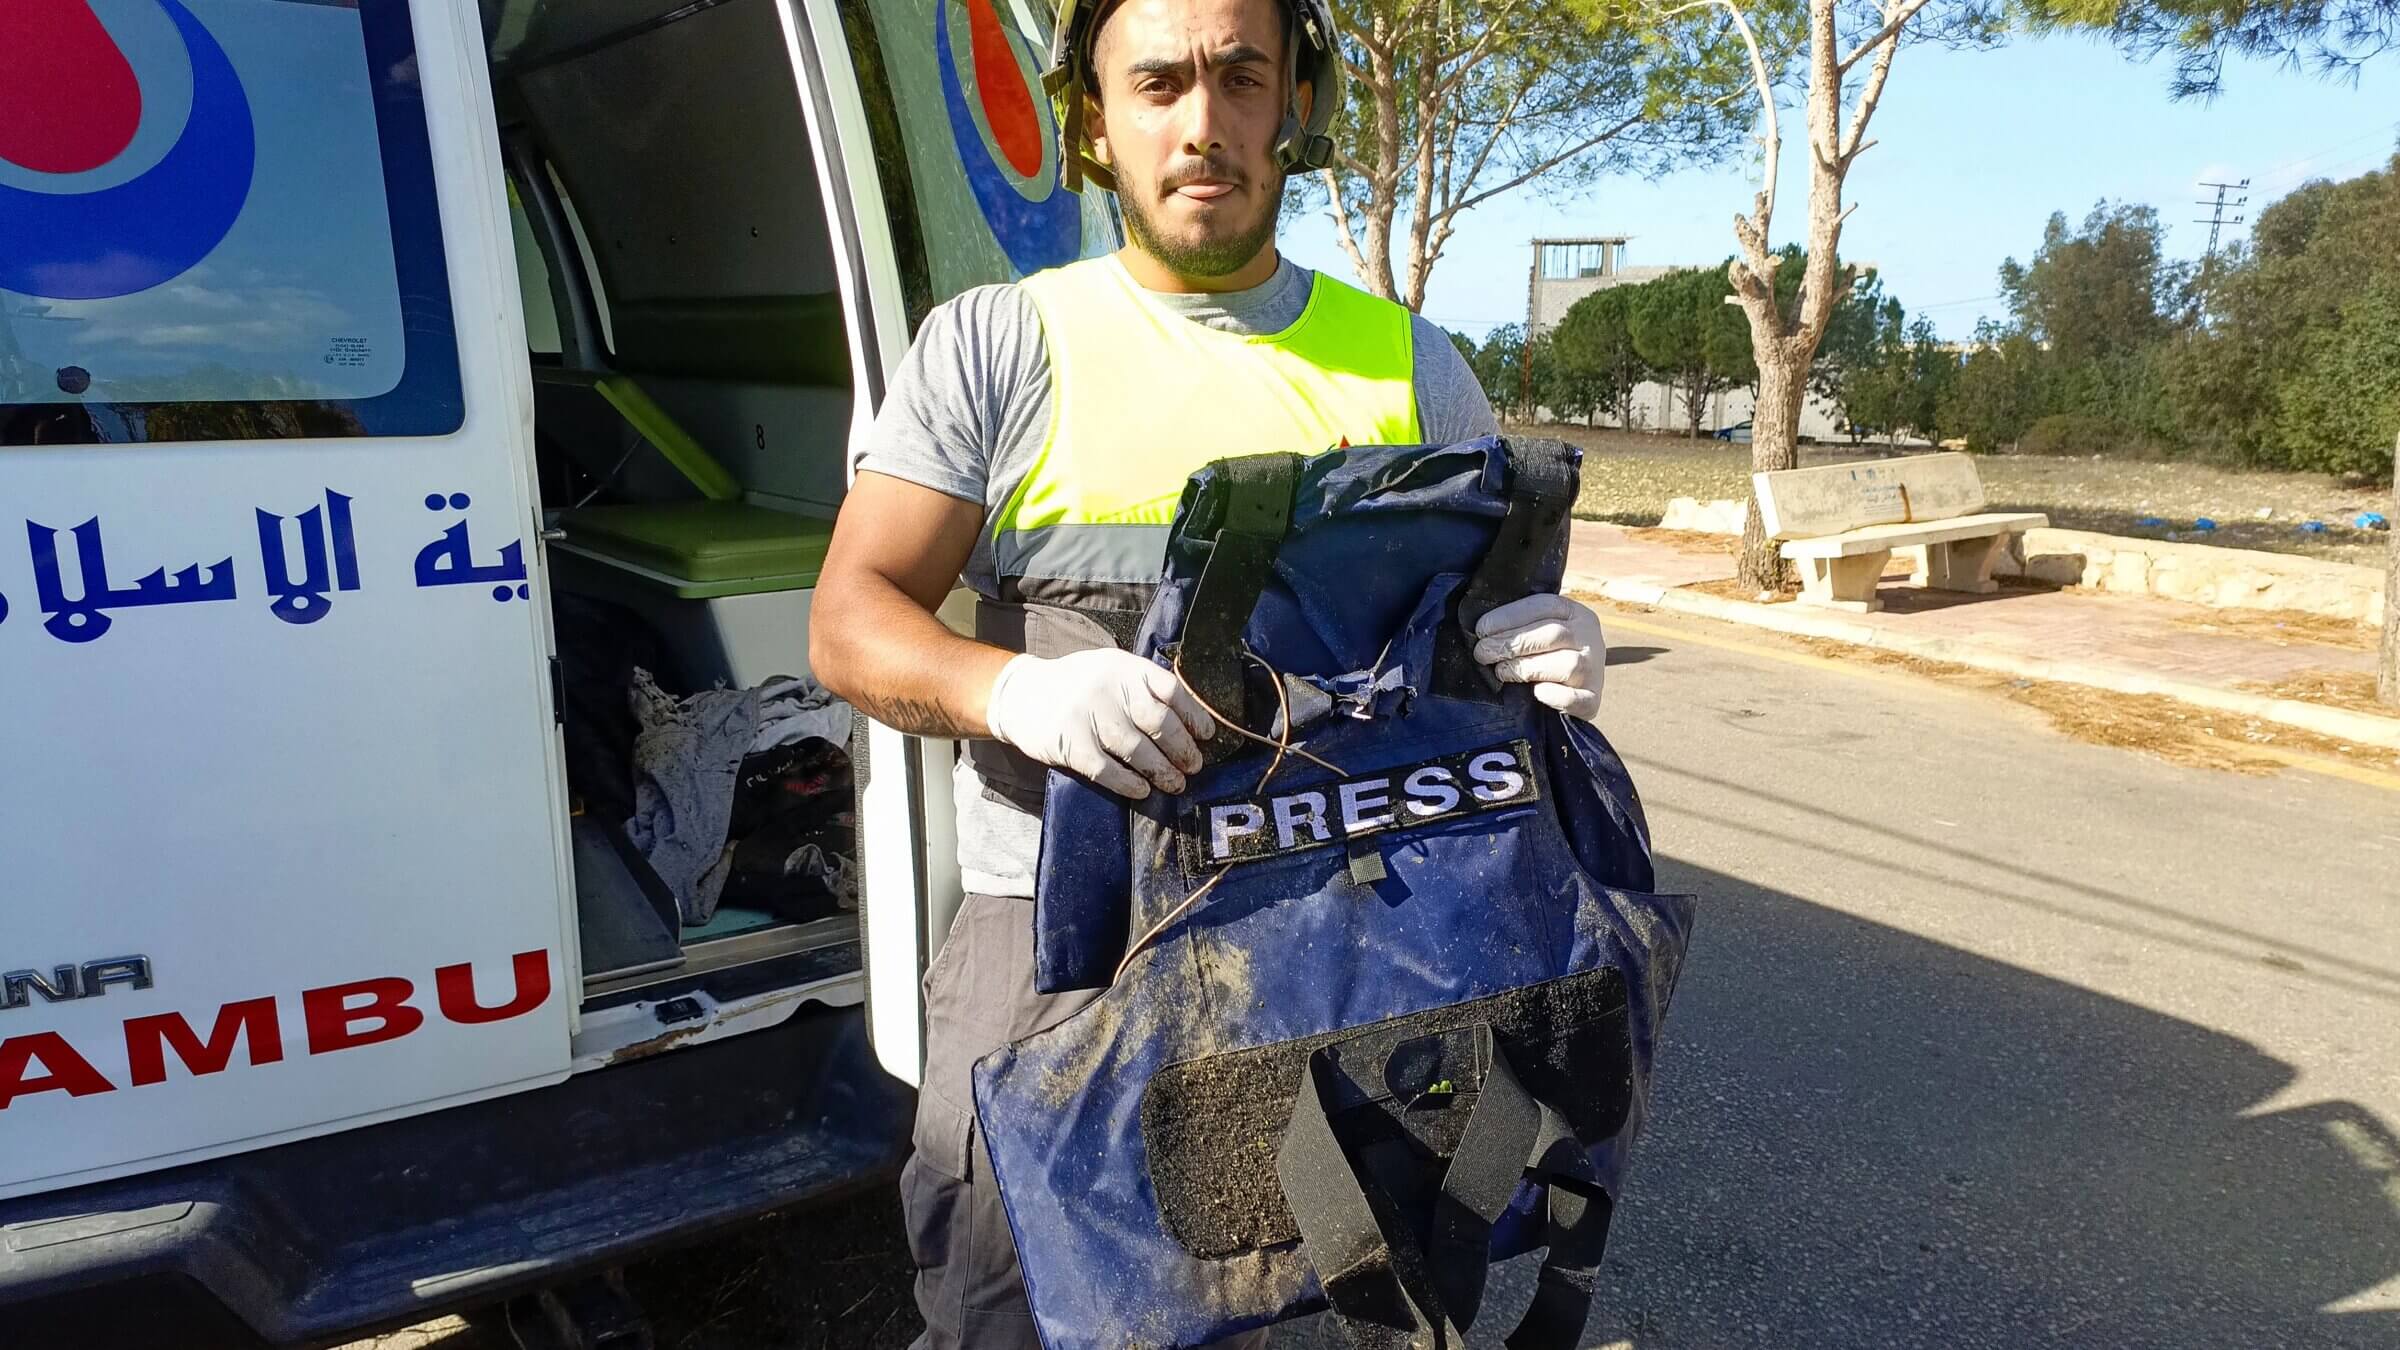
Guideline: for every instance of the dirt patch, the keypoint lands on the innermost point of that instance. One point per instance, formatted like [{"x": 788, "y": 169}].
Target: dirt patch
[
  {"x": 2352, "y": 689},
  {"x": 1731, "y": 588},
  {"x": 2283, "y": 626},
  {"x": 1697, "y": 542}
]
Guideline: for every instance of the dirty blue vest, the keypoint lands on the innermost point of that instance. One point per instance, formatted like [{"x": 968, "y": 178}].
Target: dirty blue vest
[{"x": 1382, "y": 1006}]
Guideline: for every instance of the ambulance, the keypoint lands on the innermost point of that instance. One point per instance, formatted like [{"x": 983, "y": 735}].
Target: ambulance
[{"x": 354, "y": 354}]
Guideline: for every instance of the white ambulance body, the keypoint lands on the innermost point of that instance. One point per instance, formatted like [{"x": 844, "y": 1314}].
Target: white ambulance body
[{"x": 347, "y": 348}]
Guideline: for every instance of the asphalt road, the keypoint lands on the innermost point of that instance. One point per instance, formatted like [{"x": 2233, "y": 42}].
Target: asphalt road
[
  {"x": 1991, "y": 1038},
  {"x": 1987, "y": 1038}
]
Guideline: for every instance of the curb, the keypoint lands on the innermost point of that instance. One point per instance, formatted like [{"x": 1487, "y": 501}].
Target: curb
[{"x": 2338, "y": 723}]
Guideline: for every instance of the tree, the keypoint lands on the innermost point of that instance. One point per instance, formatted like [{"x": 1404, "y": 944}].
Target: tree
[
  {"x": 1998, "y": 391},
  {"x": 1593, "y": 347},
  {"x": 1507, "y": 370},
  {"x": 1932, "y": 371},
  {"x": 2334, "y": 36},
  {"x": 1686, "y": 333},
  {"x": 1451, "y": 105},
  {"x": 2343, "y": 400},
  {"x": 2099, "y": 292},
  {"x": 1785, "y": 332},
  {"x": 1858, "y": 367}
]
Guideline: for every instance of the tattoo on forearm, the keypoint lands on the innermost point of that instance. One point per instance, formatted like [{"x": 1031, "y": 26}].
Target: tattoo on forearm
[{"x": 917, "y": 717}]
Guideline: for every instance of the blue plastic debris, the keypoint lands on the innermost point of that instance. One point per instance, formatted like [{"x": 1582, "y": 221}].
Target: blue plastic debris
[
  {"x": 2149, "y": 522},
  {"x": 2372, "y": 520},
  {"x": 2204, "y": 523},
  {"x": 2312, "y": 527}
]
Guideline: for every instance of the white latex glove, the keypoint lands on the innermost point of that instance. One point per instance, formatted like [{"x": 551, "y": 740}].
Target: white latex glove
[
  {"x": 1106, "y": 715},
  {"x": 1551, "y": 643}
]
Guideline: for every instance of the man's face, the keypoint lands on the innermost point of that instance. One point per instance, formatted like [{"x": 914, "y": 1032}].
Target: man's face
[{"x": 1192, "y": 93}]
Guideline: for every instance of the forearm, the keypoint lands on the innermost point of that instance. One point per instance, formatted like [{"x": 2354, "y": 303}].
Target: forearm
[{"x": 873, "y": 645}]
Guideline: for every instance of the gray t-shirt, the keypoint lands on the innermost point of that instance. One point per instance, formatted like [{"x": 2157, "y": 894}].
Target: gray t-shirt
[{"x": 967, "y": 414}]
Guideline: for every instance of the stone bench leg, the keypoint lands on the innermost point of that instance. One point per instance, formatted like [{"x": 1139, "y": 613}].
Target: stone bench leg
[
  {"x": 1843, "y": 583},
  {"x": 1962, "y": 564}
]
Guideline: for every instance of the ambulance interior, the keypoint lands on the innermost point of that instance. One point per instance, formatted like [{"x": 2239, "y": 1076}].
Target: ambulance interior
[{"x": 692, "y": 404}]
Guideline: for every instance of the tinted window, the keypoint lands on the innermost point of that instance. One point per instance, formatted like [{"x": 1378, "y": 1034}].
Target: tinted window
[{"x": 219, "y": 222}]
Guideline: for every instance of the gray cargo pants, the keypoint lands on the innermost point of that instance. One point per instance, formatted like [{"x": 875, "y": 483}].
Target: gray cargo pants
[{"x": 978, "y": 997}]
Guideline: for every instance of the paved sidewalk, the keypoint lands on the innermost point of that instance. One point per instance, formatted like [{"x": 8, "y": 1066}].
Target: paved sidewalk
[{"x": 2126, "y": 643}]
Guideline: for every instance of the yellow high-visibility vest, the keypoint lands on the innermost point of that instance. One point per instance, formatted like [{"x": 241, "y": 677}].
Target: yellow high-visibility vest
[{"x": 1140, "y": 397}]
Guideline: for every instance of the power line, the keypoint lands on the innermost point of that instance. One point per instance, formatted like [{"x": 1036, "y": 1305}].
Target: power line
[{"x": 2217, "y": 220}]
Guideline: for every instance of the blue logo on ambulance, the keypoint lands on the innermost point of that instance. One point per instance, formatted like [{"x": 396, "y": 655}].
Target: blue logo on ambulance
[
  {"x": 70, "y": 104},
  {"x": 1007, "y": 140}
]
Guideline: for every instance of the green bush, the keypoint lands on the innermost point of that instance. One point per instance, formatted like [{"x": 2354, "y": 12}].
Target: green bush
[{"x": 2082, "y": 434}]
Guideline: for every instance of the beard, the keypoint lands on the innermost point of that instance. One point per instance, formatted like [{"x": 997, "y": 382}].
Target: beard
[{"x": 1214, "y": 255}]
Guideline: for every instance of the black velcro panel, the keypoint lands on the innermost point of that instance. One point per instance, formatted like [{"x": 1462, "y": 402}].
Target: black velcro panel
[{"x": 1211, "y": 1126}]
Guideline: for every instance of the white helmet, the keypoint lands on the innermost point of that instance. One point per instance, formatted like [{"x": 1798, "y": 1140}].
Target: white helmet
[{"x": 1312, "y": 38}]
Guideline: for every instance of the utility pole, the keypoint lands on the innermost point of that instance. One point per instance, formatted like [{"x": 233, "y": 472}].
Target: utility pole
[{"x": 2217, "y": 220}]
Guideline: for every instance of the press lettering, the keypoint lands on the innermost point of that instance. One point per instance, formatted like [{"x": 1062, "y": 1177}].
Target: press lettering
[
  {"x": 1430, "y": 793},
  {"x": 1300, "y": 806},
  {"x": 1401, "y": 797},
  {"x": 1357, "y": 801},
  {"x": 1496, "y": 773},
  {"x": 1229, "y": 822}
]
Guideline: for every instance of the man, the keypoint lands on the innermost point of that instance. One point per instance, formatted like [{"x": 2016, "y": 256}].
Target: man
[{"x": 1035, "y": 443}]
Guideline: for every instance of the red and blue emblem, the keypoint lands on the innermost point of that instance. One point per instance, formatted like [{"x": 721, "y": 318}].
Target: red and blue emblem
[
  {"x": 71, "y": 106},
  {"x": 1007, "y": 140}
]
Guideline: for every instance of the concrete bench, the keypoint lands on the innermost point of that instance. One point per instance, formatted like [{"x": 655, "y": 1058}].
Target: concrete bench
[{"x": 1842, "y": 521}]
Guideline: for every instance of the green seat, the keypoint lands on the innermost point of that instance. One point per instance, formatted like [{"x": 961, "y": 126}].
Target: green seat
[{"x": 706, "y": 549}]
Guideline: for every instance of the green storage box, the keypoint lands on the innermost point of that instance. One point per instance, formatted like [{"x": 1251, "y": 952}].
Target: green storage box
[{"x": 706, "y": 548}]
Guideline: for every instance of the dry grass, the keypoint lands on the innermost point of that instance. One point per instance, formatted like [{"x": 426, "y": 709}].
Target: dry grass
[
  {"x": 2180, "y": 733},
  {"x": 2352, "y": 689},
  {"x": 1731, "y": 588},
  {"x": 2283, "y": 627},
  {"x": 1628, "y": 478},
  {"x": 1694, "y": 542}
]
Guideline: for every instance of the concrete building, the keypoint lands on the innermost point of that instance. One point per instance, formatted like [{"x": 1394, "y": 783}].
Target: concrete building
[{"x": 1566, "y": 270}]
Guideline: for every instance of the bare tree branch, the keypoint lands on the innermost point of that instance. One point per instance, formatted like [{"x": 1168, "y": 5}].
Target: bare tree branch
[
  {"x": 1340, "y": 211},
  {"x": 1895, "y": 18},
  {"x": 1772, "y": 140},
  {"x": 1548, "y": 164},
  {"x": 1868, "y": 96}
]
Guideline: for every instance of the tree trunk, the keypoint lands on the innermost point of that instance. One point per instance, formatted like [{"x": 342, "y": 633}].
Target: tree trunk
[
  {"x": 2388, "y": 684},
  {"x": 1774, "y": 446}
]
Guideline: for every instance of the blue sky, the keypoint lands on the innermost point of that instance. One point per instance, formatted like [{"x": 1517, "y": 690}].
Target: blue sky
[{"x": 1976, "y": 149}]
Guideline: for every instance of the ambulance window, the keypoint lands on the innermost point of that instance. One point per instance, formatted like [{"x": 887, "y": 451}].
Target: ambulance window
[
  {"x": 966, "y": 145},
  {"x": 238, "y": 241}
]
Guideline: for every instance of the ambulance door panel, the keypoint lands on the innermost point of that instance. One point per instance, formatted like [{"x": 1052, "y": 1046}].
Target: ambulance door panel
[
  {"x": 945, "y": 152},
  {"x": 279, "y": 812}
]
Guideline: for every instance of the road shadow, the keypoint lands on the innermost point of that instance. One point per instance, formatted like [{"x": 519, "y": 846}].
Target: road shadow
[
  {"x": 1619, "y": 655},
  {"x": 1861, "y": 1136}
]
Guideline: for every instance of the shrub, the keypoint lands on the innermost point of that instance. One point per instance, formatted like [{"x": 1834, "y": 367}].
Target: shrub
[{"x": 2082, "y": 434}]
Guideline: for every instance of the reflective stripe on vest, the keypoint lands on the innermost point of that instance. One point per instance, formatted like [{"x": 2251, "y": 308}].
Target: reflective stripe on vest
[{"x": 1141, "y": 396}]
